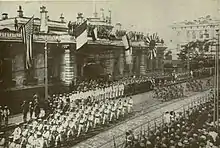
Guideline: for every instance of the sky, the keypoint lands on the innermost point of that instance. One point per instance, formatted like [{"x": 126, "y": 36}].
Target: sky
[{"x": 141, "y": 15}]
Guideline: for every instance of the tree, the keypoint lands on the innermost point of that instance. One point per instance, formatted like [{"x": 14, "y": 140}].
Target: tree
[
  {"x": 194, "y": 51},
  {"x": 168, "y": 55}
]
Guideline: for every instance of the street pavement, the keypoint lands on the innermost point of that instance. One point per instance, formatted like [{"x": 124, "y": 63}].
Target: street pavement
[{"x": 150, "y": 109}]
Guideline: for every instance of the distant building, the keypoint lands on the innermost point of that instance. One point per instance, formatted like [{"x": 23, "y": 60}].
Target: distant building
[{"x": 203, "y": 28}]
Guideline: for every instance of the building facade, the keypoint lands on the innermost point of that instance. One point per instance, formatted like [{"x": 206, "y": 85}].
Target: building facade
[
  {"x": 65, "y": 63},
  {"x": 203, "y": 28}
]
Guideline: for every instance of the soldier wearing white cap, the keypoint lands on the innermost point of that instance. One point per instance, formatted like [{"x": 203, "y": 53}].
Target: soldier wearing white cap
[
  {"x": 69, "y": 132},
  {"x": 105, "y": 116},
  {"x": 90, "y": 121},
  {"x": 130, "y": 104},
  {"x": 81, "y": 125},
  {"x": 124, "y": 108},
  {"x": 58, "y": 137},
  {"x": 46, "y": 135},
  {"x": 119, "y": 109},
  {"x": 17, "y": 133},
  {"x": 97, "y": 118},
  {"x": 113, "y": 110},
  {"x": 39, "y": 141},
  {"x": 30, "y": 140}
]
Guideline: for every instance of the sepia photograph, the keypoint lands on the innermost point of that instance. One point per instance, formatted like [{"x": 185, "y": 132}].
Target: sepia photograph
[{"x": 109, "y": 73}]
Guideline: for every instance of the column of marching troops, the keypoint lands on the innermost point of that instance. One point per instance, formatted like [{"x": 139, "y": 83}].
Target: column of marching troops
[
  {"x": 70, "y": 117},
  {"x": 166, "y": 93},
  {"x": 193, "y": 128},
  {"x": 169, "y": 92}
]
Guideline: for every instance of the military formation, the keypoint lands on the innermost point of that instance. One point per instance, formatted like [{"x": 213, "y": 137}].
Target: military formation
[
  {"x": 195, "y": 85},
  {"x": 166, "y": 93},
  {"x": 72, "y": 115},
  {"x": 193, "y": 128}
]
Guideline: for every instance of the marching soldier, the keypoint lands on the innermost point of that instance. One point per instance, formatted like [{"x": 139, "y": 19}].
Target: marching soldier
[
  {"x": 90, "y": 121},
  {"x": 106, "y": 114},
  {"x": 119, "y": 109},
  {"x": 81, "y": 125},
  {"x": 130, "y": 104},
  {"x": 97, "y": 118}
]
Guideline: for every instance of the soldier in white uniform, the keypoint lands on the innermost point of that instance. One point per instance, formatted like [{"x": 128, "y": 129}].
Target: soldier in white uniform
[
  {"x": 130, "y": 104},
  {"x": 97, "y": 118},
  {"x": 17, "y": 133},
  {"x": 81, "y": 125},
  {"x": 90, "y": 121},
  {"x": 119, "y": 109},
  {"x": 39, "y": 141}
]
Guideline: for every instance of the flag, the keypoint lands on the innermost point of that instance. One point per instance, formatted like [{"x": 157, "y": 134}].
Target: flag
[
  {"x": 151, "y": 41},
  {"x": 128, "y": 49},
  {"x": 94, "y": 34},
  {"x": 27, "y": 36},
  {"x": 81, "y": 35}
]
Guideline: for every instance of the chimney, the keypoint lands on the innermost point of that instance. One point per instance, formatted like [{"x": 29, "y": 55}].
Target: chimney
[
  {"x": 80, "y": 18},
  {"x": 4, "y": 16},
  {"x": 62, "y": 18},
  {"x": 20, "y": 12},
  {"x": 102, "y": 16},
  {"x": 43, "y": 19}
]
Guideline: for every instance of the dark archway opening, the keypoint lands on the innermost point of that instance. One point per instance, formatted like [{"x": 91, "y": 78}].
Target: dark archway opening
[{"x": 93, "y": 71}]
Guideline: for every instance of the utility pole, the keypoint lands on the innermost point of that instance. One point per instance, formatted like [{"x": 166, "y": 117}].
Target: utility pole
[
  {"x": 217, "y": 80},
  {"x": 46, "y": 70}
]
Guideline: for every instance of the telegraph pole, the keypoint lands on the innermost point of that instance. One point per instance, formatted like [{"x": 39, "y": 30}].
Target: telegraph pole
[
  {"x": 46, "y": 70},
  {"x": 217, "y": 79}
]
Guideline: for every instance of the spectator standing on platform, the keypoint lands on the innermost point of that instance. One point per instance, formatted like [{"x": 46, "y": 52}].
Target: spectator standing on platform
[
  {"x": 25, "y": 110},
  {"x": 36, "y": 109},
  {"x": 31, "y": 109},
  {"x": 36, "y": 105},
  {"x": 6, "y": 113}
]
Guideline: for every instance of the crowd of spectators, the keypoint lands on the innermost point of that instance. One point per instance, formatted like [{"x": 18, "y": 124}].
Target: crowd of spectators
[{"x": 193, "y": 128}]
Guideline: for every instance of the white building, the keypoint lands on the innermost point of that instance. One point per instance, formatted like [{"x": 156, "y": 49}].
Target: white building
[{"x": 204, "y": 28}]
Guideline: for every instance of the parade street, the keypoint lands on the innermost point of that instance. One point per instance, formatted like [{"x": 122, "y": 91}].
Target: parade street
[
  {"x": 146, "y": 108},
  {"x": 142, "y": 103}
]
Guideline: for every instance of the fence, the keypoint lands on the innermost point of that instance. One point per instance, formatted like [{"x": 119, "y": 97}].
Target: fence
[{"x": 152, "y": 125}]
